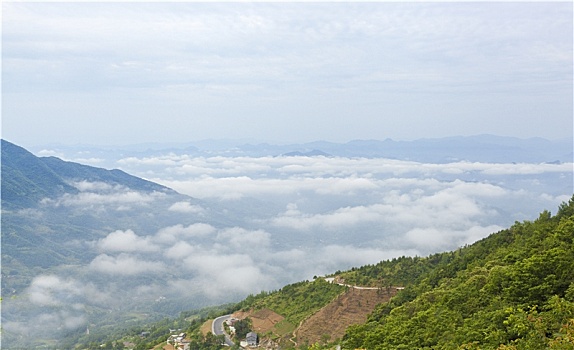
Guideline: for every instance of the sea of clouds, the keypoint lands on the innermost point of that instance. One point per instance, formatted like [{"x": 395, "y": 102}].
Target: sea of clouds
[{"x": 281, "y": 220}]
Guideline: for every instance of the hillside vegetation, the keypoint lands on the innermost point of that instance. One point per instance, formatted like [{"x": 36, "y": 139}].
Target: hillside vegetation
[{"x": 512, "y": 290}]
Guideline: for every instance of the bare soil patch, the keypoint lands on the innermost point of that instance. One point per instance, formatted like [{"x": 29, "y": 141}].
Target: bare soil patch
[
  {"x": 264, "y": 320},
  {"x": 351, "y": 307}
]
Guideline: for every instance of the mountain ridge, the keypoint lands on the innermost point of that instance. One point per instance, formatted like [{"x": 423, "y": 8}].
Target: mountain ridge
[
  {"x": 27, "y": 179},
  {"x": 479, "y": 148}
]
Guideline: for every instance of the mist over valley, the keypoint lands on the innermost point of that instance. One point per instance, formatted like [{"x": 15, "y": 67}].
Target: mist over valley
[
  {"x": 94, "y": 248},
  {"x": 165, "y": 162}
]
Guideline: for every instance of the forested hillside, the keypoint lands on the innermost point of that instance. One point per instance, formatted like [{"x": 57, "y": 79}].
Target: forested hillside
[
  {"x": 512, "y": 290},
  {"x": 46, "y": 208}
]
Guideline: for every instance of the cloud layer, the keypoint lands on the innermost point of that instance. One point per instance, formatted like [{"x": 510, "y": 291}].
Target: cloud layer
[{"x": 260, "y": 223}]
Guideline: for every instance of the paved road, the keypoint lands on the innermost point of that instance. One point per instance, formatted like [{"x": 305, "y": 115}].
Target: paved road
[
  {"x": 217, "y": 328},
  {"x": 332, "y": 280}
]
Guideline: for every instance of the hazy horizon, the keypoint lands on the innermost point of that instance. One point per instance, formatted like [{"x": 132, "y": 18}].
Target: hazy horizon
[{"x": 37, "y": 147}]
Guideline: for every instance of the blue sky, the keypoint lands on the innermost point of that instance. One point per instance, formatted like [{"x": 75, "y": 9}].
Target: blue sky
[{"x": 124, "y": 73}]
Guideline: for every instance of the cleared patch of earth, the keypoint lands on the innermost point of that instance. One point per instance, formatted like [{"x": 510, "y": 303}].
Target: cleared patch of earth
[
  {"x": 263, "y": 320},
  {"x": 351, "y": 307}
]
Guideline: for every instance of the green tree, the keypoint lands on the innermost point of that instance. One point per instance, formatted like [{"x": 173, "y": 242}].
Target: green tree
[{"x": 242, "y": 327}]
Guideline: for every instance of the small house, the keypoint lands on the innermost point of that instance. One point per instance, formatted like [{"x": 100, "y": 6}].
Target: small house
[{"x": 252, "y": 339}]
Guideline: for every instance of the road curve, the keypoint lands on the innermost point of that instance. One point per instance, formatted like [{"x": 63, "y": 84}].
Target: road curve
[{"x": 217, "y": 328}]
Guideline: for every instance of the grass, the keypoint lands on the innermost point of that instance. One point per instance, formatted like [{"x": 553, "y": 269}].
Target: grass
[{"x": 284, "y": 327}]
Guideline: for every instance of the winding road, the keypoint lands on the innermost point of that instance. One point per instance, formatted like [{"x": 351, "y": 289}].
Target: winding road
[{"x": 217, "y": 328}]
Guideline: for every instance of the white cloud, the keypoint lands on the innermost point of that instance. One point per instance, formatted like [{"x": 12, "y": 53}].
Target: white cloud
[
  {"x": 51, "y": 290},
  {"x": 125, "y": 264},
  {"x": 235, "y": 188},
  {"x": 341, "y": 218},
  {"x": 90, "y": 161},
  {"x": 126, "y": 241},
  {"x": 71, "y": 321},
  {"x": 50, "y": 153},
  {"x": 338, "y": 213},
  {"x": 186, "y": 207},
  {"x": 442, "y": 239},
  {"x": 171, "y": 234},
  {"x": 89, "y": 200},
  {"x": 180, "y": 250},
  {"x": 241, "y": 239},
  {"x": 329, "y": 176},
  {"x": 89, "y": 186},
  {"x": 525, "y": 169},
  {"x": 218, "y": 274}
]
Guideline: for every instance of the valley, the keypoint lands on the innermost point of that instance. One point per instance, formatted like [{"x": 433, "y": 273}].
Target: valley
[{"x": 88, "y": 248}]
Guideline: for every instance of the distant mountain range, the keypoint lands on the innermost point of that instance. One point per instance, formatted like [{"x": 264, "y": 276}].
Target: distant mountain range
[
  {"x": 483, "y": 148},
  {"x": 479, "y": 148}
]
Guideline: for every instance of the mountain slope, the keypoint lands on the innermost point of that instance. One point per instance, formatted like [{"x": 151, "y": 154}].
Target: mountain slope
[
  {"x": 56, "y": 217},
  {"x": 35, "y": 225},
  {"x": 27, "y": 179},
  {"x": 513, "y": 289},
  {"x": 75, "y": 171},
  {"x": 349, "y": 308}
]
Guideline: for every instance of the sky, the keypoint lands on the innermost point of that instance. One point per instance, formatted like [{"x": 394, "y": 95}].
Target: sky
[{"x": 126, "y": 73}]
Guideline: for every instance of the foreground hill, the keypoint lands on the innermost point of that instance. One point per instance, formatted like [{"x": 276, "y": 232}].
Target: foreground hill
[{"x": 511, "y": 290}]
